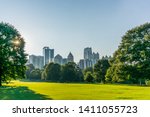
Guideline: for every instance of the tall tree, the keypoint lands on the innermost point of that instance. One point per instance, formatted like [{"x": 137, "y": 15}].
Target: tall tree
[
  {"x": 133, "y": 56},
  {"x": 88, "y": 69},
  {"x": 12, "y": 54},
  {"x": 35, "y": 74},
  {"x": 100, "y": 69},
  {"x": 88, "y": 77},
  {"x": 53, "y": 71},
  {"x": 71, "y": 73},
  {"x": 30, "y": 67}
]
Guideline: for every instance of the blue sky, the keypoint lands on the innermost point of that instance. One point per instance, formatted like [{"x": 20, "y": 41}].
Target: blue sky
[{"x": 72, "y": 25}]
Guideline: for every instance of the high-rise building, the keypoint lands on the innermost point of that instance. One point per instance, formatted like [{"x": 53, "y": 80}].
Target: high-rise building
[
  {"x": 81, "y": 64},
  {"x": 88, "y": 53},
  {"x": 70, "y": 57},
  {"x": 58, "y": 59},
  {"x": 64, "y": 61},
  {"x": 95, "y": 55},
  {"x": 37, "y": 61},
  {"x": 87, "y": 63},
  {"x": 90, "y": 59},
  {"x": 95, "y": 58},
  {"x": 51, "y": 55},
  {"x": 48, "y": 55}
]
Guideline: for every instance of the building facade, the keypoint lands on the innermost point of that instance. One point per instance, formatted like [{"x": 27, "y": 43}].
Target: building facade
[
  {"x": 58, "y": 59},
  {"x": 48, "y": 55},
  {"x": 51, "y": 55},
  {"x": 90, "y": 59},
  {"x": 37, "y": 61},
  {"x": 88, "y": 53},
  {"x": 70, "y": 58},
  {"x": 81, "y": 64},
  {"x": 64, "y": 61}
]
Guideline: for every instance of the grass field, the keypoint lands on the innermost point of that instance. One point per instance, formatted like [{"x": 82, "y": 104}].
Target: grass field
[{"x": 18, "y": 90}]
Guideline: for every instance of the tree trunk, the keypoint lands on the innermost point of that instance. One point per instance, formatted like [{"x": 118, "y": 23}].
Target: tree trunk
[{"x": 140, "y": 82}]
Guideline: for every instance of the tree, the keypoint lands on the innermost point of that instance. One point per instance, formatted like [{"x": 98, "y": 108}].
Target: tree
[
  {"x": 88, "y": 69},
  {"x": 35, "y": 74},
  {"x": 100, "y": 69},
  {"x": 52, "y": 72},
  {"x": 132, "y": 59},
  {"x": 12, "y": 54},
  {"x": 30, "y": 68},
  {"x": 89, "y": 77},
  {"x": 79, "y": 75},
  {"x": 71, "y": 73}
]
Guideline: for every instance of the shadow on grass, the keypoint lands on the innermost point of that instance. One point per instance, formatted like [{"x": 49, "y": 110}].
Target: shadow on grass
[
  {"x": 20, "y": 93},
  {"x": 125, "y": 98}
]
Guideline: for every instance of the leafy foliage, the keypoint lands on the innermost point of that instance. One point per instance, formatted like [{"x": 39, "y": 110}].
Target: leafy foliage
[
  {"x": 132, "y": 59},
  {"x": 71, "y": 73},
  {"x": 30, "y": 67},
  {"x": 100, "y": 69},
  {"x": 52, "y": 72},
  {"x": 89, "y": 77},
  {"x": 12, "y": 54},
  {"x": 88, "y": 69},
  {"x": 35, "y": 74}
]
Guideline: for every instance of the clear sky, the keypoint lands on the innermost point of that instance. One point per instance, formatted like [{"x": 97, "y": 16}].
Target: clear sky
[{"x": 72, "y": 25}]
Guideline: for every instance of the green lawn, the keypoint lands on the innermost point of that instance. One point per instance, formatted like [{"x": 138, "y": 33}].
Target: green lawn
[{"x": 71, "y": 91}]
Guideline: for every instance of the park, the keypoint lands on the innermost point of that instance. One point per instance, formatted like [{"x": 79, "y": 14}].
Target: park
[
  {"x": 124, "y": 76},
  {"x": 27, "y": 90}
]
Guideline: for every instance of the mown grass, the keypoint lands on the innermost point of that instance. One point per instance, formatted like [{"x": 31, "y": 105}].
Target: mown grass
[{"x": 19, "y": 90}]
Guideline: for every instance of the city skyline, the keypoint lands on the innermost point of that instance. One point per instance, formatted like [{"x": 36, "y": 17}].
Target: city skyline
[
  {"x": 89, "y": 59},
  {"x": 71, "y": 25}
]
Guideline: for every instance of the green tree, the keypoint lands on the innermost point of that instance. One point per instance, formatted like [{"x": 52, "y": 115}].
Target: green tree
[
  {"x": 30, "y": 68},
  {"x": 79, "y": 74},
  {"x": 132, "y": 59},
  {"x": 52, "y": 72},
  {"x": 35, "y": 74},
  {"x": 12, "y": 54},
  {"x": 71, "y": 73},
  {"x": 89, "y": 77},
  {"x": 88, "y": 69},
  {"x": 100, "y": 69}
]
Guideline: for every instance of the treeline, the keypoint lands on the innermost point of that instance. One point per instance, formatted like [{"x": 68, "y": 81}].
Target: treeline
[
  {"x": 69, "y": 72},
  {"x": 130, "y": 63}
]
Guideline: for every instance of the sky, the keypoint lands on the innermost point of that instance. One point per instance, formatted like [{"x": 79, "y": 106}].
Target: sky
[{"x": 71, "y": 25}]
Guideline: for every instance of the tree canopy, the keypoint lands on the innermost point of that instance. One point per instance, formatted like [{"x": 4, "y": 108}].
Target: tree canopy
[
  {"x": 132, "y": 59},
  {"x": 100, "y": 69},
  {"x": 12, "y": 54},
  {"x": 52, "y": 72},
  {"x": 71, "y": 73}
]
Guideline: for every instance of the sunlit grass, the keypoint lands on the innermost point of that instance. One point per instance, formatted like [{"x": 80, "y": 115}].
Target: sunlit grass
[{"x": 74, "y": 91}]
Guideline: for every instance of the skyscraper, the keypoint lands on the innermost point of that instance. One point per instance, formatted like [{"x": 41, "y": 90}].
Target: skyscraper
[
  {"x": 58, "y": 59},
  {"x": 88, "y": 53},
  {"x": 95, "y": 58},
  {"x": 90, "y": 59},
  {"x": 51, "y": 55},
  {"x": 70, "y": 57},
  {"x": 48, "y": 55},
  {"x": 64, "y": 61},
  {"x": 81, "y": 64},
  {"x": 37, "y": 61}
]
